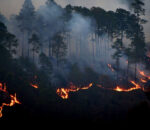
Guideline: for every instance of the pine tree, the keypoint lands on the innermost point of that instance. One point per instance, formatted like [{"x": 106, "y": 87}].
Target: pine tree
[
  {"x": 138, "y": 39},
  {"x": 35, "y": 43},
  {"x": 25, "y": 22},
  {"x": 7, "y": 40},
  {"x": 59, "y": 48},
  {"x": 3, "y": 18}
]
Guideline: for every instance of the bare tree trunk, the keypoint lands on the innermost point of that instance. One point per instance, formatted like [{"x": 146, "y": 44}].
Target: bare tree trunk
[
  {"x": 28, "y": 44},
  {"x": 23, "y": 44},
  {"x": 49, "y": 48},
  {"x": 135, "y": 71},
  {"x": 118, "y": 69},
  {"x": 33, "y": 56},
  {"x": 128, "y": 68}
]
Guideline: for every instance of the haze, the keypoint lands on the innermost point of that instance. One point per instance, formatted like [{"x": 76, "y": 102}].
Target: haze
[{"x": 9, "y": 7}]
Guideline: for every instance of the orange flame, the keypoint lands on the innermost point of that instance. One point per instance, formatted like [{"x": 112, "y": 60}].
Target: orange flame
[
  {"x": 136, "y": 86},
  {"x": 2, "y": 87},
  {"x": 143, "y": 80},
  {"x": 64, "y": 92},
  {"x": 142, "y": 73},
  {"x": 13, "y": 98},
  {"x": 34, "y": 86}
]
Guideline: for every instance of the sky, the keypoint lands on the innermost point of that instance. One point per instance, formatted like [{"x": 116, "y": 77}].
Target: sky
[{"x": 9, "y": 7}]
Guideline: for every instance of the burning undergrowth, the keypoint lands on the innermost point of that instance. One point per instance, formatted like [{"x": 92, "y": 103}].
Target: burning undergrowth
[
  {"x": 88, "y": 95},
  {"x": 75, "y": 66}
]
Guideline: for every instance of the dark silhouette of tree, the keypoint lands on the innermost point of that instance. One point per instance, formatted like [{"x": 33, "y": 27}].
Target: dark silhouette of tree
[
  {"x": 59, "y": 48},
  {"x": 76, "y": 76},
  {"x": 138, "y": 39},
  {"x": 8, "y": 40},
  {"x": 46, "y": 64},
  {"x": 25, "y": 20},
  {"x": 35, "y": 43},
  {"x": 137, "y": 7},
  {"x": 118, "y": 46},
  {"x": 3, "y": 19}
]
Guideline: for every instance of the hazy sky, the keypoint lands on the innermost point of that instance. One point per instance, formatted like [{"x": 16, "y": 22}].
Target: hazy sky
[{"x": 8, "y": 7}]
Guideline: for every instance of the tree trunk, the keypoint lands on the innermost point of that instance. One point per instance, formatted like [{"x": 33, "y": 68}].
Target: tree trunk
[
  {"x": 127, "y": 76},
  {"x": 33, "y": 56},
  {"x": 49, "y": 48},
  {"x": 28, "y": 44},
  {"x": 23, "y": 44},
  {"x": 135, "y": 74}
]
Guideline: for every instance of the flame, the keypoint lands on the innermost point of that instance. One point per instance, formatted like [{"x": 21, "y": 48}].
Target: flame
[
  {"x": 110, "y": 66},
  {"x": 64, "y": 92},
  {"x": 13, "y": 98},
  {"x": 120, "y": 89},
  {"x": 34, "y": 86},
  {"x": 143, "y": 80},
  {"x": 136, "y": 86},
  {"x": 142, "y": 73},
  {"x": 2, "y": 87}
]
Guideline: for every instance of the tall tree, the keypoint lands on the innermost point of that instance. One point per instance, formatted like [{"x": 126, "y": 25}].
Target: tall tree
[
  {"x": 3, "y": 18},
  {"x": 138, "y": 7},
  {"x": 118, "y": 46},
  {"x": 34, "y": 41},
  {"x": 25, "y": 22},
  {"x": 46, "y": 64},
  {"x": 138, "y": 39},
  {"x": 59, "y": 48},
  {"x": 7, "y": 39}
]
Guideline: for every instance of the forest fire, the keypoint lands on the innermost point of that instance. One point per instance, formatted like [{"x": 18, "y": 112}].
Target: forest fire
[
  {"x": 98, "y": 57},
  {"x": 121, "y": 89},
  {"x": 64, "y": 92},
  {"x": 13, "y": 99}
]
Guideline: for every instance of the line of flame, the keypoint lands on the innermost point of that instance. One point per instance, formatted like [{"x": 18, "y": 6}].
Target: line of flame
[
  {"x": 64, "y": 92},
  {"x": 13, "y": 98}
]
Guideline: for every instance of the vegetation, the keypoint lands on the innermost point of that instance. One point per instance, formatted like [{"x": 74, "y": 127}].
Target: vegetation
[{"x": 50, "y": 50}]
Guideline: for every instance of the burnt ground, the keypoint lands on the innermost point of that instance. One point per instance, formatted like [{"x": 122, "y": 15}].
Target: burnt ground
[{"x": 95, "y": 106}]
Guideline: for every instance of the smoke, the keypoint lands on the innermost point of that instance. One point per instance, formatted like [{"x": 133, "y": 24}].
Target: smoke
[
  {"x": 84, "y": 46},
  {"x": 50, "y": 16},
  {"x": 80, "y": 28},
  {"x": 80, "y": 25}
]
